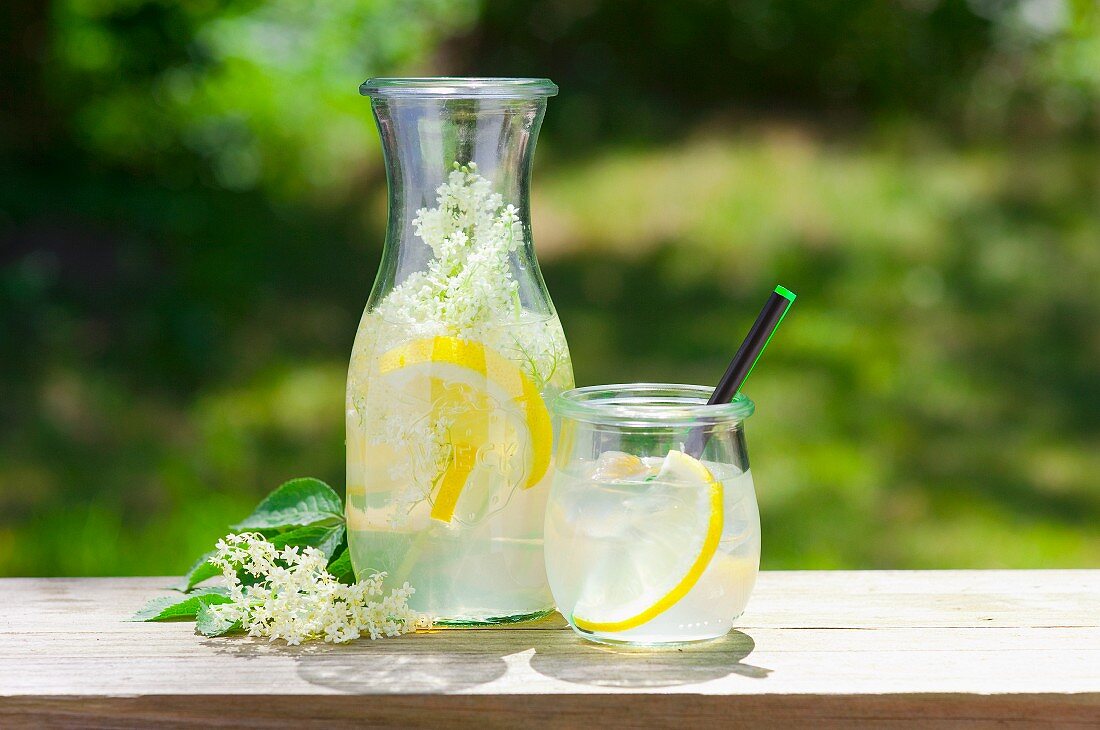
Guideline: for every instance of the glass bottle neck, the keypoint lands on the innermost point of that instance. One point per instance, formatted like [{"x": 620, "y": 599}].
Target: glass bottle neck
[
  {"x": 424, "y": 139},
  {"x": 427, "y": 141}
]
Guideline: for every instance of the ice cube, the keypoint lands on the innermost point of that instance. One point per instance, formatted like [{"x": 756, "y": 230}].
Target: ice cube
[{"x": 613, "y": 466}]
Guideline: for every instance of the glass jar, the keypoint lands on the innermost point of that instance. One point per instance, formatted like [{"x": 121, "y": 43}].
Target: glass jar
[
  {"x": 457, "y": 356},
  {"x": 652, "y": 528}
]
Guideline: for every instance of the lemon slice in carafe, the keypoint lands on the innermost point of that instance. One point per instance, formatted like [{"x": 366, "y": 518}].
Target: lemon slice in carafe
[
  {"x": 668, "y": 537},
  {"x": 493, "y": 413}
]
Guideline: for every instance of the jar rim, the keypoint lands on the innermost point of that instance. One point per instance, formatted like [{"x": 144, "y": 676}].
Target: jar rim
[
  {"x": 650, "y": 404},
  {"x": 458, "y": 87}
]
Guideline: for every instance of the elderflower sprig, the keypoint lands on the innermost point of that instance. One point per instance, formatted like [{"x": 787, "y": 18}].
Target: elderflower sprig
[{"x": 296, "y": 599}]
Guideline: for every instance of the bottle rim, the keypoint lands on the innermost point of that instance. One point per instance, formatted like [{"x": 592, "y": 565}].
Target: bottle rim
[
  {"x": 442, "y": 87},
  {"x": 650, "y": 404}
]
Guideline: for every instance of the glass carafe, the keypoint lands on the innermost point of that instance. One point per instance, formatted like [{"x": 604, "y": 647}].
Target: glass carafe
[{"x": 457, "y": 357}]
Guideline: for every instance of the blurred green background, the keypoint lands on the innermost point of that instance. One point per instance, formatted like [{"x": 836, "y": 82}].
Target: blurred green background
[{"x": 192, "y": 204}]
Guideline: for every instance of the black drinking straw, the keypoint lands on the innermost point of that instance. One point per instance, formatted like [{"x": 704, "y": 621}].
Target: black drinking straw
[{"x": 745, "y": 360}]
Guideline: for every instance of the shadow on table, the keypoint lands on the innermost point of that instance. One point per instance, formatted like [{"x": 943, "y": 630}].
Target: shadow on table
[
  {"x": 439, "y": 661},
  {"x": 581, "y": 662},
  {"x": 448, "y": 661}
]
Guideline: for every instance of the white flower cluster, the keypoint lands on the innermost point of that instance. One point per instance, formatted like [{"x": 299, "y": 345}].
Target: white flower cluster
[
  {"x": 295, "y": 597},
  {"x": 469, "y": 282}
]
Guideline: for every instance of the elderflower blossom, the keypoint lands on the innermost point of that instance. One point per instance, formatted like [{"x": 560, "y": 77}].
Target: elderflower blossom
[
  {"x": 295, "y": 598},
  {"x": 469, "y": 282}
]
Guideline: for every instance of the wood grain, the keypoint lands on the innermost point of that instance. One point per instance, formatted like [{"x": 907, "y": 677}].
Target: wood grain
[{"x": 818, "y": 648}]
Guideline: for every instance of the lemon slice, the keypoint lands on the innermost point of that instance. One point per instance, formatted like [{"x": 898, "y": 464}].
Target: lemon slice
[
  {"x": 670, "y": 541},
  {"x": 472, "y": 384}
]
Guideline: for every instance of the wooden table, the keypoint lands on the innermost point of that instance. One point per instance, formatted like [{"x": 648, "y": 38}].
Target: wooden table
[{"x": 820, "y": 648}]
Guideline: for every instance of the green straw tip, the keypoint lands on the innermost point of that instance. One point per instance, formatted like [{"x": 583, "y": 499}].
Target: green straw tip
[{"x": 785, "y": 292}]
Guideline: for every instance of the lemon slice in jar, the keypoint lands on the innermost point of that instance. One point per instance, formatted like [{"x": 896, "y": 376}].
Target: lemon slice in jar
[
  {"x": 471, "y": 386},
  {"x": 670, "y": 536}
]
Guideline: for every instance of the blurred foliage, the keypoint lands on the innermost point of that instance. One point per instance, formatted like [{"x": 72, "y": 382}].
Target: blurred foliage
[
  {"x": 235, "y": 90},
  {"x": 192, "y": 202}
]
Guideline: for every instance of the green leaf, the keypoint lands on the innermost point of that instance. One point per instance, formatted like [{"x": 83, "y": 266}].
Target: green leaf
[
  {"x": 210, "y": 623},
  {"x": 326, "y": 538},
  {"x": 167, "y": 608},
  {"x": 341, "y": 568},
  {"x": 200, "y": 571},
  {"x": 296, "y": 503}
]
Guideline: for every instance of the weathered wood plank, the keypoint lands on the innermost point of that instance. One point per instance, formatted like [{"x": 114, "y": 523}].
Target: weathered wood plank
[
  {"x": 556, "y": 711},
  {"x": 997, "y": 647},
  {"x": 768, "y": 663}
]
